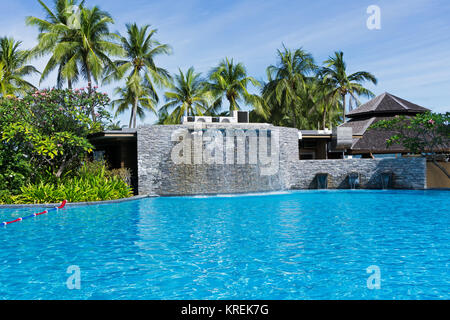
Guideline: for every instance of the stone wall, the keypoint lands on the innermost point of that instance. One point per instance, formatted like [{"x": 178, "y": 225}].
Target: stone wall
[
  {"x": 158, "y": 174},
  {"x": 407, "y": 173}
]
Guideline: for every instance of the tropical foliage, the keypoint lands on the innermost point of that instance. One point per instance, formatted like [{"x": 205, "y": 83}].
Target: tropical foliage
[
  {"x": 14, "y": 67},
  {"x": 50, "y": 127},
  {"x": 287, "y": 87},
  {"x": 335, "y": 74},
  {"x": 93, "y": 182},
  {"x": 229, "y": 80},
  {"x": 59, "y": 24},
  {"x": 189, "y": 96},
  {"x": 43, "y": 133},
  {"x": 426, "y": 133},
  {"x": 142, "y": 72},
  {"x": 43, "y": 138}
]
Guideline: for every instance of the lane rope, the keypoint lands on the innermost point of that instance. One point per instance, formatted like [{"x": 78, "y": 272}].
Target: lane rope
[{"x": 5, "y": 223}]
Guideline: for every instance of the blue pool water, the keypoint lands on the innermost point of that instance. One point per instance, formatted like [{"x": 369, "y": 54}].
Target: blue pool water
[{"x": 297, "y": 245}]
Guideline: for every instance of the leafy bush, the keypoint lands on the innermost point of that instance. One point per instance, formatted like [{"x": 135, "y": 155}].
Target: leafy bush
[
  {"x": 92, "y": 182},
  {"x": 49, "y": 128}
]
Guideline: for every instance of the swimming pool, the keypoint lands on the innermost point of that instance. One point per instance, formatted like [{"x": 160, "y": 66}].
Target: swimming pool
[{"x": 293, "y": 245}]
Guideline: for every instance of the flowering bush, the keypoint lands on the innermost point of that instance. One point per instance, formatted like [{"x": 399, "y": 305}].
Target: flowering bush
[
  {"x": 48, "y": 129},
  {"x": 426, "y": 133}
]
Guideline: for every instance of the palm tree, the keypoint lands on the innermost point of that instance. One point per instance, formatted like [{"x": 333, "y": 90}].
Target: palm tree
[
  {"x": 287, "y": 79},
  {"x": 140, "y": 50},
  {"x": 89, "y": 47},
  {"x": 13, "y": 67},
  {"x": 335, "y": 72},
  {"x": 321, "y": 108},
  {"x": 145, "y": 101},
  {"x": 188, "y": 96},
  {"x": 59, "y": 25},
  {"x": 229, "y": 80},
  {"x": 5, "y": 86}
]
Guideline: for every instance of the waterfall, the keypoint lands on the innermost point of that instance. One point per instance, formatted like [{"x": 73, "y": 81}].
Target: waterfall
[
  {"x": 353, "y": 180},
  {"x": 386, "y": 180},
  {"x": 322, "y": 181}
]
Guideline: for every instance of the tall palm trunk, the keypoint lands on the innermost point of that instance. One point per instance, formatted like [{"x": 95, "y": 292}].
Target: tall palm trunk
[
  {"x": 343, "y": 107},
  {"x": 89, "y": 78},
  {"x": 232, "y": 102},
  {"x": 294, "y": 119},
  {"x": 133, "y": 113}
]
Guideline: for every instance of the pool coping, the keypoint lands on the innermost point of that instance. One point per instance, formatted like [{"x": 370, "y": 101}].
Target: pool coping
[{"x": 73, "y": 204}]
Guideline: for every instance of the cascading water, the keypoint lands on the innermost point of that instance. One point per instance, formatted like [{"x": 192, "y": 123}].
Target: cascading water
[
  {"x": 353, "y": 180},
  {"x": 322, "y": 181},
  {"x": 386, "y": 180}
]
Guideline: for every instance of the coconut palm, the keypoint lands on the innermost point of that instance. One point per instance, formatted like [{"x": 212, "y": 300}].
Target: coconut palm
[
  {"x": 140, "y": 50},
  {"x": 287, "y": 79},
  {"x": 335, "y": 72},
  {"x": 321, "y": 109},
  {"x": 146, "y": 100},
  {"x": 14, "y": 67},
  {"x": 89, "y": 47},
  {"x": 5, "y": 86},
  {"x": 60, "y": 24},
  {"x": 188, "y": 96},
  {"x": 229, "y": 80}
]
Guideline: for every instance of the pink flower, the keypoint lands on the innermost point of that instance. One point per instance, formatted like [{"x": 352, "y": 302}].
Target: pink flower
[{"x": 431, "y": 121}]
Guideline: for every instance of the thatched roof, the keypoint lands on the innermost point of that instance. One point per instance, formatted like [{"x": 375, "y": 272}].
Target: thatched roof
[
  {"x": 373, "y": 140},
  {"x": 383, "y": 107},
  {"x": 386, "y": 104}
]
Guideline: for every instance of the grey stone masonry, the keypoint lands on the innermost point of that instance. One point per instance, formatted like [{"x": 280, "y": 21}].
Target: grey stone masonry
[
  {"x": 407, "y": 173},
  {"x": 160, "y": 175}
]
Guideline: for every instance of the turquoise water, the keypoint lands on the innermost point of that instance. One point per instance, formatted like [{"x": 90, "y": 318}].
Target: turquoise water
[{"x": 297, "y": 245}]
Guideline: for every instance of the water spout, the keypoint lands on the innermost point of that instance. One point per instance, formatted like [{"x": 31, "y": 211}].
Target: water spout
[
  {"x": 386, "y": 180},
  {"x": 353, "y": 180},
  {"x": 322, "y": 180}
]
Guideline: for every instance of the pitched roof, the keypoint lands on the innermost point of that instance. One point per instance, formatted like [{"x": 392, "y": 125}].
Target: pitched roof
[
  {"x": 374, "y": 140},
  {"x": 386, "y": 103},
  {"x": 359, "y": 126}
]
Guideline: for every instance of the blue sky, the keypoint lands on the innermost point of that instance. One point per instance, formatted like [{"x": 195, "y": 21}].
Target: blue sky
[{"x": 410, "y": 54}]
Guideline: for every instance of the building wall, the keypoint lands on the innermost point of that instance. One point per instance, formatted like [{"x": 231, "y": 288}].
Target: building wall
[
  {"x": 436, "y": 179},
  {"x": 158, "y": 174}
]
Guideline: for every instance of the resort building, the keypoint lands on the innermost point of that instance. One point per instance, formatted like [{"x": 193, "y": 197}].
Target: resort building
[
  {"x": 280, "y": 158},
  {"x": 368, "y": 142}
]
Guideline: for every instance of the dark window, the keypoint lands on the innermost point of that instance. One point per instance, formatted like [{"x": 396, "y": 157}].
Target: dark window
[
  {"x": 306, "y": 156},
  {"x": 308, "y": 144}
]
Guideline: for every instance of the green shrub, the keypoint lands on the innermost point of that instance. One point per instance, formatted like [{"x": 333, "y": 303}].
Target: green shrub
[{"x": 93, "y": 182}]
